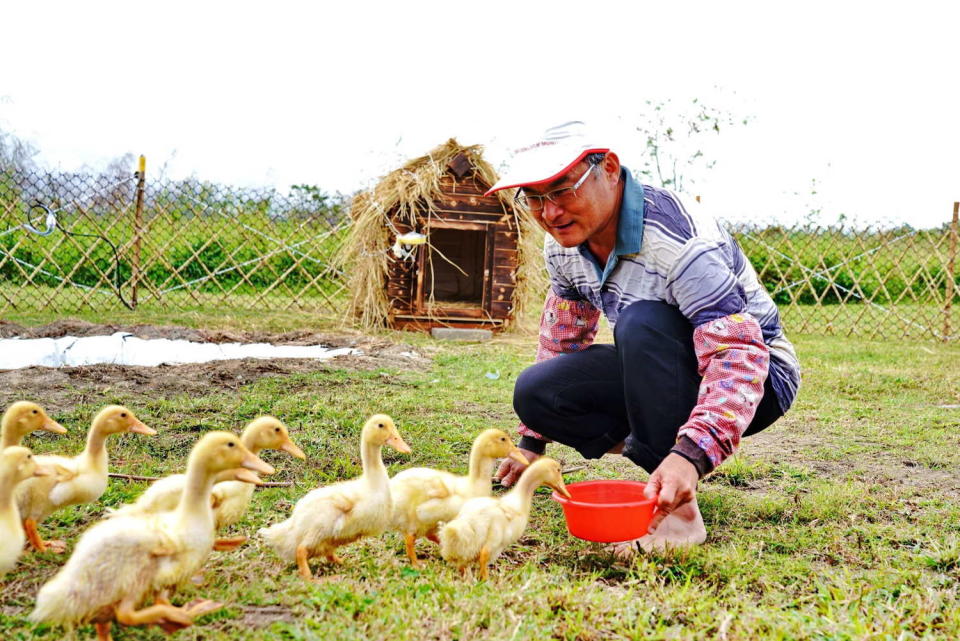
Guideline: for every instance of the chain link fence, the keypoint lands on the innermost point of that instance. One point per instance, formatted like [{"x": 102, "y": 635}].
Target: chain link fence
[
  {"x": 74, "y": 241},
  {"x": 71, "y": 241}
]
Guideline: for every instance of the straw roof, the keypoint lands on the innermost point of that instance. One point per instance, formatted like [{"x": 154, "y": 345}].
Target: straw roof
[{"x": 406, "y": 193}]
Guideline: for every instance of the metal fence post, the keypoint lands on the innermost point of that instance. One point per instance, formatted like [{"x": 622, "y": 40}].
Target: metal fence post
[
  {"x": 137, "y": 231},
  {"x": 951, "y": 282}
]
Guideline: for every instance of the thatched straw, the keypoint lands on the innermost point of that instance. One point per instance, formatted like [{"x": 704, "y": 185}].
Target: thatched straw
[{"x": 406, "y": 194}]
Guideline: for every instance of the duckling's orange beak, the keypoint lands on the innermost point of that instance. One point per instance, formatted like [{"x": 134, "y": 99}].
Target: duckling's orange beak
[
  {"x": 136, "y": 425},
  {"x": 44, "y": 470},
  {"x": 291, "y": 448},
  {"x": 253, "y": 462},
  {"x": 517, "y": 456},
  {"x": 51, "y": 425},
  {"x": 558, "y": 485},
  {"x": 246, "y": 476},
  {"x": 397, "y": 443}
]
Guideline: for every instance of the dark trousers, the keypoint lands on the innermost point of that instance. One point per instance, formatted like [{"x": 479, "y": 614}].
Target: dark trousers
[{"x": 641, "y": 389}]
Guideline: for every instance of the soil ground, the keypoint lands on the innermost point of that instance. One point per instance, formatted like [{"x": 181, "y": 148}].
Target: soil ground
[{"x": 65, "y": 387}]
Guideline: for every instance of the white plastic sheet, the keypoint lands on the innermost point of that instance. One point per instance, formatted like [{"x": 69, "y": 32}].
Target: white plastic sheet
[{"x": 122, "y": 348}]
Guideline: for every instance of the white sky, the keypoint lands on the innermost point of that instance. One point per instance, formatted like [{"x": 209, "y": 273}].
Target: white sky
[{"x": 862, "y": 97}]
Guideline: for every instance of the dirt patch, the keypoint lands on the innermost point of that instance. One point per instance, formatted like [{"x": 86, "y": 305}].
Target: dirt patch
[
  {"x": 61, "y": 389},
  {"x": 262, "y": 616},
  {"x": 790, "y": 444}
]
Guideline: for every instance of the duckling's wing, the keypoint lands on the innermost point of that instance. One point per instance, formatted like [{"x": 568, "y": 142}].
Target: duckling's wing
[
  {"x": 442, "y": 502},
  {"x": 114, "y": 559},
  {"x": 342, "y": 501},
  {"x": 66, "y": 470},
  {"x": 435, "y": 488},
  {"x": 462, "y": 538},
  {"x": 62, "y": 473},
  {"x": 162, "y": 495}
]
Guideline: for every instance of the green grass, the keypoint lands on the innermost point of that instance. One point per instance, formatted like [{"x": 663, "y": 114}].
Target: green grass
[
  {"x": 840, "y": 522},
  {"x": 26, "y": 303}
]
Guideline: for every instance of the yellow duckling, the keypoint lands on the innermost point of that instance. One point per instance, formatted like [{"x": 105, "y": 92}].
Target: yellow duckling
[
  {"x": 80, "y": 479},
  {"x": 120, "y": 561},
  {"x": 16, "y": 464},
  {"x": 230, "y": 498},
  {"x": 424, "y": 497},
  {"x": 486, "y": 526},
  {"x": 24, "y": 417},
  {"x": 337, "y": 514}
]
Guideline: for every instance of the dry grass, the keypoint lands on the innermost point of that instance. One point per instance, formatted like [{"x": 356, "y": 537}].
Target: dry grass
[{"x": 407, "y": 195}]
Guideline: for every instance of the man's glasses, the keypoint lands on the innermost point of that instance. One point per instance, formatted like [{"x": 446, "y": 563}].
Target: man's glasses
[{"x": 536, "y": 202}]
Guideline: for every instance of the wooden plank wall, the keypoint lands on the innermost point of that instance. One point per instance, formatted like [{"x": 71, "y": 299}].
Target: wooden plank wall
[{"x": 463, "y": 201}]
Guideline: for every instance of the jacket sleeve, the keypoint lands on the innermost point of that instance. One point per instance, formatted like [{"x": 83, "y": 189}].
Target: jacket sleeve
[
  {"x": 731, "y": 355},
  {"x": 733, "y": 361}
]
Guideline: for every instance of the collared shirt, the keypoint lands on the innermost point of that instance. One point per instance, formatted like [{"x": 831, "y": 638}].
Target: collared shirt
[{"x": 629, "y": 231}]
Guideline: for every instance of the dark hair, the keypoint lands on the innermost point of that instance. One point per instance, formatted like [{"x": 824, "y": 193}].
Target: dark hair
[{"x": 595, "y": 158}]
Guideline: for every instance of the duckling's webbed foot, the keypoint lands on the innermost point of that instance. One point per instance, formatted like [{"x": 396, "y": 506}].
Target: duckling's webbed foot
[
  {"x": 192, "y": 610},
  {"x": 168, "y": 617},
  {"x": 432, "y": 536},
  {"x": 56, "y": 546},
  {"x": 229, "y": 543},
  {"x": 170, "y": 627},
  {"x": 199, "y": 607}
]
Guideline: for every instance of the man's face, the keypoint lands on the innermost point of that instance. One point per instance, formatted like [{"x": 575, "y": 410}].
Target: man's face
[{"x": 576, "y": 218}]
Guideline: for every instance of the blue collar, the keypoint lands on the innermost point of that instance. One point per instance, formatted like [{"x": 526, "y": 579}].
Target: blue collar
[{"x": 629, "y": 227}]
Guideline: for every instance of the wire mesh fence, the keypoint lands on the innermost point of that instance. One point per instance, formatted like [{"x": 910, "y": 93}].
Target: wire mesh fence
[
  {"x": 73, "y": 241},
  {"x": 70, "y": 241}
]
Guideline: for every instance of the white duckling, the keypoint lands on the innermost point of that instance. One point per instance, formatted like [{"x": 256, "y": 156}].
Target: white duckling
[
  {"x": 331, "y": 516},
  {"x": 79, "y": 479},
  {"x": 424, "y": 497},
  {"x": 486, "y": 526},
  {"x": 120, "y": 561},
  {"x": 24, "y": 417},
  {"x": 230, "y": 498},
  {"x": 16, "y": 464}
]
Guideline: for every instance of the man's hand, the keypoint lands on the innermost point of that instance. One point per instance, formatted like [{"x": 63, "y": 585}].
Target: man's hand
[
  {"x": 674, "y": 483},
  {"x": 510, "y": 470}
]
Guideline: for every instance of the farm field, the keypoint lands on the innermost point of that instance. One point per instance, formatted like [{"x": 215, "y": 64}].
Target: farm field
[{"x": 842, "y": 521}]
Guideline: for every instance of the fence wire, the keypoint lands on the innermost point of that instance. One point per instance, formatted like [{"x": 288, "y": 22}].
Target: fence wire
[
  {"x": 73, "y": 241},
  {"x": 190, "y": 245}
]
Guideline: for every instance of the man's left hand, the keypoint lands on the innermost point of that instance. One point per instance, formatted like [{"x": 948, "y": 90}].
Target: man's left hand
[{"x": 674, "y": 483}]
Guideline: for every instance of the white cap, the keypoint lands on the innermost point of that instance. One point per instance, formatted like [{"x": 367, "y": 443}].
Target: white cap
[{"x": 556, "y": 151}]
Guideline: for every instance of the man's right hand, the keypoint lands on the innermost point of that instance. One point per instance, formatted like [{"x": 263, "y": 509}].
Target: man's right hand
[{"x": 510, "y": 470}]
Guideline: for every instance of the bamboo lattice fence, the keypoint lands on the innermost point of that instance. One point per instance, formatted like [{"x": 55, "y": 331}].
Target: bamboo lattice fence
[{"x": 71, "y": 242}]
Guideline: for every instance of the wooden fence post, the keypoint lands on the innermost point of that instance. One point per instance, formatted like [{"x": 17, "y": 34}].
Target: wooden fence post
[
  {"x": 951, "y": 282},
  {"x": 137, "y": 231}
]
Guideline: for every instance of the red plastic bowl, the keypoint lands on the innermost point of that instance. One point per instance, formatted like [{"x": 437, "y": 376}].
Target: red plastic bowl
[{"x": 607, "y": 511}]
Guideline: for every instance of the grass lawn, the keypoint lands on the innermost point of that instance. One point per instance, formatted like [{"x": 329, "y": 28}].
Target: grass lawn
[{"x": 842, "y": 521}]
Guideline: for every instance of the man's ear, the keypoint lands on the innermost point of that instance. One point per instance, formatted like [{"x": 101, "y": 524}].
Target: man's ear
[{"x": 611, "y": 167}]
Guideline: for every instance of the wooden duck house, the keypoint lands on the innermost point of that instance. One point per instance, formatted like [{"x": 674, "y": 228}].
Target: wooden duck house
[
  {"x": 453, "y": 253},
  {"x": 464, "y": 275}
]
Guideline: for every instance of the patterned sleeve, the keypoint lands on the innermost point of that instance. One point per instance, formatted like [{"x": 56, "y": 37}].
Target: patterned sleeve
[
  {"x": 565, "y": 326},
  {"x": 732, "y": 357},
  {"x": 733, "y": 361}
]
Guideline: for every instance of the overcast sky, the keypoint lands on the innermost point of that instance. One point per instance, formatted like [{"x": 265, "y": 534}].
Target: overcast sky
[{"x": 861, "y": 97}]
